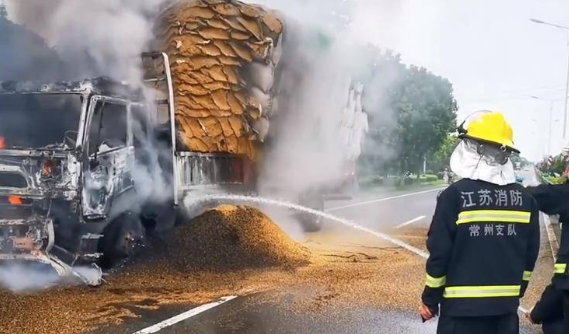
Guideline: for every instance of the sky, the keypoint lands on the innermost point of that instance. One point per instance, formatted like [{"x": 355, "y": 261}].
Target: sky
[{"x": 494, "y": 56}]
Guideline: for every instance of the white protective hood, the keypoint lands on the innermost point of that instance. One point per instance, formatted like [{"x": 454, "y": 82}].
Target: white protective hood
[{"x": 467, "y": 163}]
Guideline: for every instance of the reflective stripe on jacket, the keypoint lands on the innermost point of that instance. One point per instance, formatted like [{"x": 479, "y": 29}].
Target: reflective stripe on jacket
[
  {"x": 483, "y": 244},
  {"x": 553, "y": 200}
]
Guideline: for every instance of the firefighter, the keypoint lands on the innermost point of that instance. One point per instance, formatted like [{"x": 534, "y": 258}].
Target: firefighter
[
  {"x": 554, "y": 200},
  {"x": 549, "y": 311},
  {"x": 484, "y": 236}
]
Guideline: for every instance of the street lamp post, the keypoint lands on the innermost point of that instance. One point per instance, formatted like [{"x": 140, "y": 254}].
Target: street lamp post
[
  {"x": 566, "y": 29},
  {"x": 551, "y": 102}
]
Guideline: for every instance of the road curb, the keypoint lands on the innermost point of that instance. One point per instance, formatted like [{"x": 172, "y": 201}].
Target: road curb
[{"x": 551, "y": 236}]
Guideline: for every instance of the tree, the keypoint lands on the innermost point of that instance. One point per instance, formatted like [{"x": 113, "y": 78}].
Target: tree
[
  {"x": 426, "y": 115},
  {"x": 519, "y": 160},
  {"x": 411, "y": 112},
  {"x": 553, "y": 165},
  {"x": 441, "y": 158},
  {"x": 3, "y": 11}
]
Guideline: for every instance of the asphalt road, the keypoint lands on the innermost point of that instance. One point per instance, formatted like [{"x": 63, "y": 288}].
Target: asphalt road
[
  {"x": 383, "y": 211},
  {"x": 275, "y": 312},
  {"x": 258, "y": 315},
  {"x": 271, "y": 313}
]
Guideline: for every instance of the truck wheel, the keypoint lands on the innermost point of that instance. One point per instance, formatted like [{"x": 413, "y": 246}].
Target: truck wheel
[
  {"x": 311, "y": 223},
  {"x": 157, "y": 218},
  {"x": 123, "y": 239},
  {"x": 312, "y": 200}
]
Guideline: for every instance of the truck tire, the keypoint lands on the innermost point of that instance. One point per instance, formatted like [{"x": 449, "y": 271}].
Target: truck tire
[
  {"x": 313, "y": 200},
  {"x": 123, "y": 238},
  {"x": 157, "y": 218}
]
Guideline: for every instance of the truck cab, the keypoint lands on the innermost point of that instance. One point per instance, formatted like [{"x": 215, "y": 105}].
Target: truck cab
[{"x": 68, "y": 153}]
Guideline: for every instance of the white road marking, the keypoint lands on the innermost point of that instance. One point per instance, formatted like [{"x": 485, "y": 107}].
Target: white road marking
[
  {"x": 379, "y": 200},
  {"x": 186, "y": 315},
  {"x": 553, "y": 243},
  {"x": 412, "y": 221}
]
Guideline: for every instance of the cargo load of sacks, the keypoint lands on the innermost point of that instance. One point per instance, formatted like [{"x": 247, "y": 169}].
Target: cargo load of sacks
[{"x": 223, "y": 60}]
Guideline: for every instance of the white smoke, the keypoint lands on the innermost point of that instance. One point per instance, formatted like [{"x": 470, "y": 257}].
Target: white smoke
[
  {"x": 309, "y": 148},
  {"x": 20, "y": 278},
  {"x": 320, "y": 131},
  {"x": 102, "y": 38},
  {"x": 95, "y": 38}
]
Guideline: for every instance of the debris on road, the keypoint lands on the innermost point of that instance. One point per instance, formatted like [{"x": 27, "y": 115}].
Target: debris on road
[{"x": 259, "y": 257}]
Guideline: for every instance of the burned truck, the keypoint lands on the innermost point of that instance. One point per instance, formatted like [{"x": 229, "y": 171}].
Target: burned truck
[
  {"x": 71, "y": 154},
  {"x": 88, "y": 169},
  {"x": 67, "y": 153}
]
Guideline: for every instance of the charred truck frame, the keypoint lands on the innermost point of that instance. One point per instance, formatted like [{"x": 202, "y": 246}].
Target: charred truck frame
[
  {"x": 67, "y": 156},
  {"x": 66, "y": 159}
]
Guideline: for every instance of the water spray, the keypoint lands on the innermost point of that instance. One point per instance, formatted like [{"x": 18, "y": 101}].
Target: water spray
[{"x": 283, "y": 204}]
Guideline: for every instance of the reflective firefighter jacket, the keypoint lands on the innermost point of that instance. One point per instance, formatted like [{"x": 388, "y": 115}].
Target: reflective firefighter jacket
[
  {"x": 554, "y": 200},
  {"x": 549, "y": 309},
  {"x": 483, "y": 244}
]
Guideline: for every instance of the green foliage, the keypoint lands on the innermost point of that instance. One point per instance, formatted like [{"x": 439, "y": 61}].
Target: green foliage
[
  {"x": 421, "y": 181},
  {"x": 3, "y": 11},
  {"x": 520, "y": 161},
  {"x": 556, "y": 167},
  {"x": 412, "y": 111},
  {"x": 428, "y": 178},
  {"x": 426, "y": 115},
  {"x": 377, "y": 180},
  {"x": 441, "y": 158},
  {"x": 556, "y": 180}
]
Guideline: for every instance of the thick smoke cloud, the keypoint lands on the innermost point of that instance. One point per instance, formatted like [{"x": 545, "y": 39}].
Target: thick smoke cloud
[
  {"x": 105, "y": 37},
  {"x": 93, "y": 38},
  {"x": 324, "y": 58},
  {"x": 101, "y": 38},
  {"x": 25, "y": 55},
  {"x": 83, "y": 39}
]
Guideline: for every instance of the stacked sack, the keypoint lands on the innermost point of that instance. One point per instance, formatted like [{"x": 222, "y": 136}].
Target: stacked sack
[
  {"x": 354, "y": 124},
  {"x": 223, "y": 59}
]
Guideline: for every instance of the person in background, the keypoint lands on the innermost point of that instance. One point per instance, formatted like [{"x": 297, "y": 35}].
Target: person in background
[
  {"x": 553, "y": 199},
  {"x": 484, "y": 236},
  {"x": 548, "y": 311}
]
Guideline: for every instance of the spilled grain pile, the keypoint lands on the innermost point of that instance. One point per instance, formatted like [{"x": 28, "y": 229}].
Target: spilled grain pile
[
  {"x": 344, "y": 269},
  {"x": 233, "y": 237}
]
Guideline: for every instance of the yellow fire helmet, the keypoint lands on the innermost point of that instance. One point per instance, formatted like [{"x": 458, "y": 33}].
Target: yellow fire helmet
[{"x": 489, "y": 127}]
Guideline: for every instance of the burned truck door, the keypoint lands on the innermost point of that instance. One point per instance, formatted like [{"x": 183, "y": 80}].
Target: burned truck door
[{"x": 110, "y": 152}]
